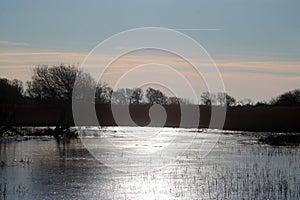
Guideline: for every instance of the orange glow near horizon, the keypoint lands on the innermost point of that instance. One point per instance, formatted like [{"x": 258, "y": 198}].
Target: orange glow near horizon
[{"x": 259, "y": 80}]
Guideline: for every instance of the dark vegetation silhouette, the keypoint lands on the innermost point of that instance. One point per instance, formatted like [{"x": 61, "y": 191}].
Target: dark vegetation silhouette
[
  {"x": 11, "y": 91},
  {"x": 220, "y": 98},
  {"x": 127, "y": 96},
  {"x": 53, "y": 87},
  {"x": 245, "y": 102},
  {"x": 155, "y": 96},
  {"x": 103, "y": 93},
  {"x": 291, "y": 98},
  {"x": 137, "y": 96}
]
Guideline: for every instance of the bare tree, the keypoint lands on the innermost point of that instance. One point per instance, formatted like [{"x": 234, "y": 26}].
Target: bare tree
[
  {"x": 230, "y": 100},
  {"x": 137, "y": 95},
  {"x": 127, "y": 96},
  {"x": 208, "y": 98},
  {"x": 103, "y": 93},
  {"x": 172, "y": 100},
  {"x": 177, "y": 100},
  {"x": 291, "y": 98},
  {"x": 246, "y": 102},
  {"x": 55, "y": 85},
  {"x": 119, "y": 96},
  {"x": 52, "y": 83},
  {"x": 225, "y": 99},
  {"x": 155, "y": 96},
  {"x": 184, "y": 101}
]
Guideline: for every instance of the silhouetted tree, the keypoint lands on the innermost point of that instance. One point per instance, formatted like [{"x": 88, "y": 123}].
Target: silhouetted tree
[
  {"x": 119, "y": 97},
  {"x": 262, "y": 103},
  {"x": 11, "y": 92},
  {"x": 291, "y": 98},
  {"x": 184, "y": 101},
  {"x": 56, "y": 83},
  {"x": 155, "y": 96},
  {"x": 103, "y": 93},
  {"x": 137, "y": 95},
  {"x": 225, "y": 99},
  {"x": 177, "y": 100},
  {"x": 127, "y": 96},
  {"x": 173, "y": 100},
  {"x": 245, "y": 102},
  {"x": 208, "y": 98},
  {"x": 52, "y": 83},
  {"x": 220, "y": 98}
]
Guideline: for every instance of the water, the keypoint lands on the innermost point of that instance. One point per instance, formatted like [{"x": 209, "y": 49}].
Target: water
[{"x": 236, "y": 168}]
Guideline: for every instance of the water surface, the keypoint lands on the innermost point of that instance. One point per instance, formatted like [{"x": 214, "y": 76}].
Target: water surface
[{"x": 236, "y": 168}]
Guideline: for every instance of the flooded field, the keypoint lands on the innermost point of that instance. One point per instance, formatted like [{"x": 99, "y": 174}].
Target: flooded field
[{"x": 237, "y": 167}]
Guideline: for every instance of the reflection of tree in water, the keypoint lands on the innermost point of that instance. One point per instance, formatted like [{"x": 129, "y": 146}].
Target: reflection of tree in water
[
  {"x": 71, "y": 148},
  {"x": 62, "y": 145}
]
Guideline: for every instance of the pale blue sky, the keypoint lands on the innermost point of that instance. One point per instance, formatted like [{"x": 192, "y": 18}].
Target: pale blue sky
[{"x": 260, "y": 31}]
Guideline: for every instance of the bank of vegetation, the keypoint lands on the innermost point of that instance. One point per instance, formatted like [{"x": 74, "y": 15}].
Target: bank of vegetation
[{"x": 46, "y": 100}]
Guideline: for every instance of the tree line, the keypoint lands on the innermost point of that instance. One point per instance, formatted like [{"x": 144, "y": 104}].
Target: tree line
[{"x": 55, "y": 84}]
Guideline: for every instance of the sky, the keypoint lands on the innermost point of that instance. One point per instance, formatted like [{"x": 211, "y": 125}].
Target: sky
[{"x": 255, "y": 44}]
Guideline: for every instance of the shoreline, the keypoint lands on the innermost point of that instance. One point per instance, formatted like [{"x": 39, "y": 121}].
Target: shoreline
[
  {"x": 261, "y": 138},
  {"x": 239, "y": 118}
]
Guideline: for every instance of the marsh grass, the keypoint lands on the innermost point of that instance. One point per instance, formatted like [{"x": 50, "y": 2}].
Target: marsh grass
[
  {"x": 232, "y": 170},
  {"x": 3, "y": 190},
  {"x": 281, "y": 140},
  {"x": 19, "y": 191},
  {"x": 236, "y": 172}
]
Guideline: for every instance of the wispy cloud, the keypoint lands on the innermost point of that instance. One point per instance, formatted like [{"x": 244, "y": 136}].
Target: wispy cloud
[
  {"x": 241, "y": 78},
  {"x": 198, "y": 29},
  {"x": 15, "y": 59},
  {"x": 287, "y": 68},
  {"x": 10, "y": 43},
  {"x": 31, "y": 59}
]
